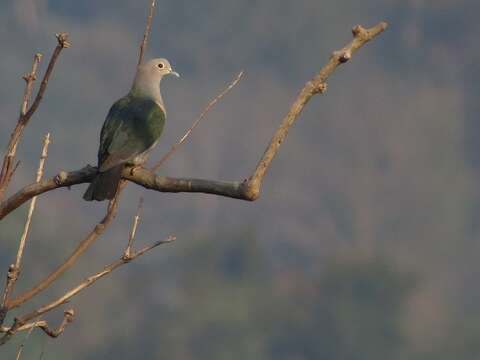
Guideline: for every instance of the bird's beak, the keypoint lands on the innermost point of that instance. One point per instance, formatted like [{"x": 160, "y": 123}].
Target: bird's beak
[{"x": 174, "y": 73}]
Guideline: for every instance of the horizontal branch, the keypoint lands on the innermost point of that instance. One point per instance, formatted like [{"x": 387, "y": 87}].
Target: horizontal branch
[{"x": 142, "y": 177}]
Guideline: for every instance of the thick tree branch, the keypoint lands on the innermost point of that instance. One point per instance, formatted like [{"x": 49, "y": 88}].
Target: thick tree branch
[
  {"x": 62, "y": 179},
  {"x": 317, "y": 85},
  {"x": 141, "y": 176},
  {"x": 8, "y": 167}
]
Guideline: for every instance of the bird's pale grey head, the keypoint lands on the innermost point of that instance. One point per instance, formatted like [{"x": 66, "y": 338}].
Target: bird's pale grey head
[
  {"x": 158, "y": 68},
  {"x": 148, "y": 77}
]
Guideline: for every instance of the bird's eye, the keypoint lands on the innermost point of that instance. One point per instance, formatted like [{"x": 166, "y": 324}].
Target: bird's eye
[{"x": 160, "y": 65}]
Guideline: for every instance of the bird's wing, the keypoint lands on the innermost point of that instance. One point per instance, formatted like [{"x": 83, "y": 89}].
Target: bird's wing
[{"x": 132, "y": 126}]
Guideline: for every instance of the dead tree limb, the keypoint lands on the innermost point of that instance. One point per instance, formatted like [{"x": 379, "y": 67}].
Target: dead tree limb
[
  {"x": 68, "y": 317},
  {"x": 146, "y": 34},
  {"x": 8, "y": 167},
  {"x": 248, "y": 189},
  {"x": 14, "y": 269},
  {"x": 89, "y": 281},
  {"x": 98, "y": 230}
]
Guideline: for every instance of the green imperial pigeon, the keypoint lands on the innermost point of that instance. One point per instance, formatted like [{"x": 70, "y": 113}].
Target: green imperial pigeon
[{"x": 132, "y": 128}]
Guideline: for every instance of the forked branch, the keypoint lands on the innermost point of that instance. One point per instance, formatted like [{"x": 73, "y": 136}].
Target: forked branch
[
  {"x": 98, "y": 230},
  {"x": 14, "y": 269},
  {"x": 8, "y": 167},
  {"x": 248, "y": 189},
  {"x": 68, "y": 317}
]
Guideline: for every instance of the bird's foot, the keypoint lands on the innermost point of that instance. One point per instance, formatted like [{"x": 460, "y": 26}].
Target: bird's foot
[{"x": 134, "y": 169}]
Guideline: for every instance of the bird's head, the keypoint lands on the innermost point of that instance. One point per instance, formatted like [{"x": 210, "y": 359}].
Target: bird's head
[
  {"x": 148, "y": 77},
  {"x": 156, "y": 69}
]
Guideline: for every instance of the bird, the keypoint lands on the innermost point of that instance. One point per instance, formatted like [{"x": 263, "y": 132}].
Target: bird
[{"x": 131, "y": 129}]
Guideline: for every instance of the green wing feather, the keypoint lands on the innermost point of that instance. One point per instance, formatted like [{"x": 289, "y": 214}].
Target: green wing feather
[{"x": 132, "y": 126}]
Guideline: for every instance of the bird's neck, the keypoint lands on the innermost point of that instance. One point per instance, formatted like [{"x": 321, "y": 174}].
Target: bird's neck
[{"x": 147, "y": 89}]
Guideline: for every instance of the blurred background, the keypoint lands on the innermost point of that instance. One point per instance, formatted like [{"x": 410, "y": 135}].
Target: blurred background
[{"x": 364, "y": 243}]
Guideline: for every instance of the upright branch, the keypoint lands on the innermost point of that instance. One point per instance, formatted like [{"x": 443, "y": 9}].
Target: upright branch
[
  {"x": 14, "y": 269},
  {"x": 8, "y": 167},
  {"x": 148, "y": 28},
  {"x": 315, "y": 86},
  {"x": 136, "y": 219}
]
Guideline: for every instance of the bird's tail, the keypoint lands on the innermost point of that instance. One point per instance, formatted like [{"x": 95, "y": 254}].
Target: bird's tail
[{"x": 104, "y": 185}]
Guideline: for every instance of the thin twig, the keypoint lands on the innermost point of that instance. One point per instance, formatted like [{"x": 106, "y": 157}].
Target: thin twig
[
  {"x": 136, "y": 219},
  {"x": 30, "y": 79},
  {"x": 25, "y": 115},
  {"x": 42, "y": 353},
  {"x": 196, "y": 122},
  {"x": 98, "y": 230},
  {"x": 20, "y": 348},
  {"x": 89, "y": 281},
  {"x": 19, "y": 325},
  {"x": 148, "y": 28},
  {"x": 14, "y": 269},
  {"x": 7, "y": 172}
]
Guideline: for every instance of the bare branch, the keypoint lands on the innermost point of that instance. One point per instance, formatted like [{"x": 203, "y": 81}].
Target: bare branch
[
  {"x": 196, "y": 122},
  {"x": 30, "y": 79},
  {"x": 314, "y": 86},
  {"x": 88, "y": 282},
  {"x": 7, "y": 172},
  {"x": 148, "y": 28},
  {"x": 62, "y": 179},
  {"x": 14, "y": 269},
  {"x": 25, "y": 115},
  {"x": 20, "y": 348},
  {"x": 147, "y": 179},
  {"x": 136, "y": 219},
  {"x": 98, "y": 230},
  {"x": 68, "y": 317}
]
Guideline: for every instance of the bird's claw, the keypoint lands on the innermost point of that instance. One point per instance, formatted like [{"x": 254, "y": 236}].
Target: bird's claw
[{"x": 133, "y": 169}]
